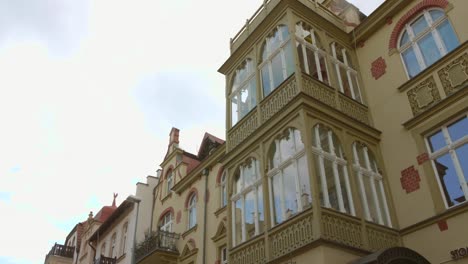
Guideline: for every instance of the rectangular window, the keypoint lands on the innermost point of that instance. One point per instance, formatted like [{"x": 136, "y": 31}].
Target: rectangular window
[
  {"x": 448, "y": 148},
  {"x": 224, "y": 257}
]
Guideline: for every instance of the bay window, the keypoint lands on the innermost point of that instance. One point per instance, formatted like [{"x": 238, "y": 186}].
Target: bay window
[
  {"x": 288, "y": 175},
  {"x": 370, "y": 185},
  {"x": 277, "y": 60},
  {"x": 345, "y": 73},
  {"x": 312, "y": 57},
  {"x": 425, "y": 40},
  {"x": 243, "y": 91},
  {"x": 247, "y": 202},
  {"x": 331, "y": 165},
  {"x": 448, "y": 150}
]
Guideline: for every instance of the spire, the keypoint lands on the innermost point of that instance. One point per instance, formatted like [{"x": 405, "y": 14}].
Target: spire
[{"x": 113, "y": 202}]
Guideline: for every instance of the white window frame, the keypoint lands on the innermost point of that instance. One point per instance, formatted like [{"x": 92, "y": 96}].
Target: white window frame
[
  {"x": 450, "y": 148},
  {"x": 337, "y": 163},
  {"x": 271, "y": 54},
  {"x": 223, "y": 189},
  {"x": 170, "y": 182},
  {"x": 243, "y": 85},
  {"x": 112, "y": 245},
  {"x": 315, "y": 49},
  {"x": 349, "y": 72},
  {"x": 413, "y": 39},
  {"x": 240, "y": 195},
  {"x": 124, "y": 238},
  {"x": 192, "y": 211},
  {"x": 375, "y": 178},
  {"x": 294, "y": 159},
  {"x": 166, "y": 222}
]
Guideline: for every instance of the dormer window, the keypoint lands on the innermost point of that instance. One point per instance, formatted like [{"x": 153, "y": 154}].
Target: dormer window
[
  {"x": 277, "y": 60},
  {"x": 425, "y": 40},
  {"x": 311, "y": 53},
  {"x": 243, "y": 91}
]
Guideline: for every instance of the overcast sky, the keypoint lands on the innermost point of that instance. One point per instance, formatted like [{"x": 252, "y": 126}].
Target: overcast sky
[{"x": 89, "y": 91}]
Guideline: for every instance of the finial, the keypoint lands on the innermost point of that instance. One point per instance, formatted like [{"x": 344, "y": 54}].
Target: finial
[
  {"x": 90, "y": 216},
  {"x": 115, "y": 196}
]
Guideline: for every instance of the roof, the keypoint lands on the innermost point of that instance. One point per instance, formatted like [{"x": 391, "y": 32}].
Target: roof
[
  {"x": 111, "y": 219},
  {"x": 209, "y": 143},
  {"x": 104, "y": 213}
]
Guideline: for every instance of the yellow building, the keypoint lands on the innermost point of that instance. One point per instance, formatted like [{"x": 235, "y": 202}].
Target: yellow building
[{"x": 346, "y": 142}]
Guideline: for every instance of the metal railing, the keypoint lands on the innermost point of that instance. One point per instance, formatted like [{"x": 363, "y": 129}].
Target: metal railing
[
  {"x": 61, "y": 250},
  {"x": 161, "y": 240}
]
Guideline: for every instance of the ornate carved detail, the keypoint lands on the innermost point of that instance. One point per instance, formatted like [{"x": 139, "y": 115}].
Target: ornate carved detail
[
  {"x": 423, "y": 96},
  {"x": 294, "y": 236},
  {"x": 240, "y": 133},
  {"x": 380, "y": 239},
  {"x": 278, "y": 100},
  {"x": 342, "y": 230},
  {"x": 319, "y": 92},
  {"x": 353, "y": 109},
  {"x": 399, "y": 255},
  {"x": 455, "y": 74},
  {"x": 254, "y": 253}
]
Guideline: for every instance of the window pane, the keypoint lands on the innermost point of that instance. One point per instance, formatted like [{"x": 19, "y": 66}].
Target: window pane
[
  {"x": 404, "y": 39},
  {"x": 311, "y": 62},
  {"x": 290, "y": 61},
  {"x": 370, "y": 199},
  {"x": 224, "y": 196},
  {"x": 261, "y": 211},
  {"x": 273, "y": 41},
  {"x": 249, "y": 174},
  {"x": 437, "y": 141},
  {"x": 436, "y": 14},
  {"x": 332, "y": 195},
  {"x": 266, "y": 80},
  {"x": 277, "y": 198},
  {"x": 249, "y": 215},
  {"x": 277, "y": 70},
  {"x": 449, "y": 180},
  {"x": 238, "y": 183},
  {"x": 429, "y": 49},
  {"x": 298, "y": 140},
  {"x": 273, "y": 157},
  {"x": 287, "y": 145},
  {"x": 289, "y": 183},
  {"x": 234, "y": 110},
  {"x": 419, "y": 25},
  {"x": 345, "y": 81},
  {"x": 412, "y": 65},
  {"x": 284, "y": 32},
  {"x": 323, "y": 135},
  {"x": 459, "y": 129},
  {"x": 448, "y": 35},
  {"x": 304, "y": 183},
  {"x": 323, "y": 69},
  {"x": 238, "y": 221},
  {"x": 462, "y": 155},
  {"x": 357, "y": 93},
  {"x": 344, "y": 191},
  {"x": 302, "y": 60}
]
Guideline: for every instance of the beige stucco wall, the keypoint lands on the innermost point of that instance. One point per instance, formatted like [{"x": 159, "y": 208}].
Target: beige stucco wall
[
  {"x": 144, "y": 191},
  {"x": 58, "y": 260}
]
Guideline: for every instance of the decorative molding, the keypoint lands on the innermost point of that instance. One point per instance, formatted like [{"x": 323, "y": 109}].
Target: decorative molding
[
  {"x": 454, "y": 76},
  {"x": 343, "y": 230},
  {"x": 169, "y": 209},
  {"x": 319, "y": 91},
  {"x": 353, "y": 109},
  {"x": 242, "y": 130},
  {"x": 410, "y": 179},
  {"x": 279, "y": 98},
  {"x": 379, "y": 239},
  {"x": 252, "y": 253},
  {"x": 189, "y": 195},
  {"x": 423, "y": 96},
  {"x": 378, "y": 68},
  {"x": 400, "y": 25}
]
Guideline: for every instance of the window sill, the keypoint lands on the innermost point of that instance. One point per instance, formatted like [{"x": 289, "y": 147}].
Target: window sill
[
  {"x": 188, "y": 232},
  {"x": 220, "y": 211},
  {"x": 166, "y": 197}
]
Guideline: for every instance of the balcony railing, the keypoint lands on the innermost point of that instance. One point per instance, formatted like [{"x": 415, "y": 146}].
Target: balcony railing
[
  {"x": 161, "y": 240},
  {"x": 105, "y": 260},
  {"x": 61, "y": 250}
]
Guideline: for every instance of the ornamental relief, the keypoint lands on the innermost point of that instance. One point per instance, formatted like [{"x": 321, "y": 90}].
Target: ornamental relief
[
  {"x": 423, "y": 96},
  {"x": 454, "y": 76}
]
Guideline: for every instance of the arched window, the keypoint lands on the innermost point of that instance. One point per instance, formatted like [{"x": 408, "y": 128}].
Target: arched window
[
  {"x": 277, "y": 62},
  {"x": 112, "y": 252},
  {"x": 335, "y": 190},
  {"x": 247, "y": 202},
  {"x": 223, "y": 189},
  {"x": 371, "y": 185},
  {"x": 243, "y": 91},
  {"x": 425, "y": 40},
  {"x": 124, "y": 238},
  {"x": 165, "y": 223},
  {"x": 170, "y": 182},
  {"x": 345, "y": 73},
  {"x": 311, "y": 53},
  {"x": 192, "y": 211},
  {"x": 288, "y": 176}
]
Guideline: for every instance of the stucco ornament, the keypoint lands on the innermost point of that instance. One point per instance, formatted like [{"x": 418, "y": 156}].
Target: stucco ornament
[
  {"x": 455, "y": 75},
  {"x": 424, "y": 95}
]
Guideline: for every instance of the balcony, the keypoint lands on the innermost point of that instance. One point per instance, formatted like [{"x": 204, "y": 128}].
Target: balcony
[
  {"x": 62, "y": 251},
  {"x": 158, "y": 246},
  {"x": 298, "y": 232},
  {"x": 105, "y": 260},
  {"x": 290, "y": 89}
]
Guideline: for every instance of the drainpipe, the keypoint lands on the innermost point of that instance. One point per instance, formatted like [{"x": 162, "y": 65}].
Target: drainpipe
[{"x": 205, "y": 173}]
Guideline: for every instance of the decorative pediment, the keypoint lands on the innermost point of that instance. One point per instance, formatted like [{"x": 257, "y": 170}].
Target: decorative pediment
[
  {"x": 188, "y": 251},
  {"x": 209, "y": 144},
  {"x": 220, "y": 232}
]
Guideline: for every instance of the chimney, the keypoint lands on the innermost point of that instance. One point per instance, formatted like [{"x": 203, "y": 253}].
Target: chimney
[{"x": 174, "y": 136}]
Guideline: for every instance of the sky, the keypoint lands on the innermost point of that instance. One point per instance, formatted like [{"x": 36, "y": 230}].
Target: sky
[{"x": 89, "y": 91}]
